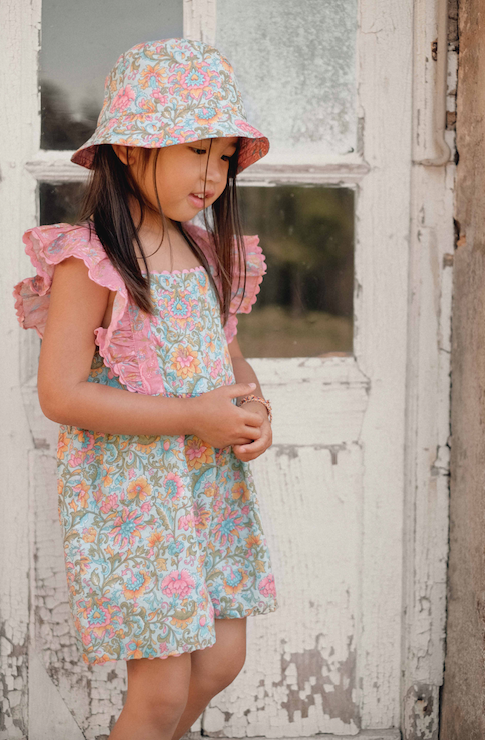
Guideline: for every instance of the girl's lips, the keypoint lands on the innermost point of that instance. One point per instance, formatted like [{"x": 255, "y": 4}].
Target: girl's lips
[{"x": 199, "y": 202}]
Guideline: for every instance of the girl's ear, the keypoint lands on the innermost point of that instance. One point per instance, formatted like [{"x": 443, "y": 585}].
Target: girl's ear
[{"x": 125, "y": 153}]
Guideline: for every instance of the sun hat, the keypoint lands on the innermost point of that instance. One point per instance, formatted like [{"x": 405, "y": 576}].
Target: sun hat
[{"x": 170, "y": 92}]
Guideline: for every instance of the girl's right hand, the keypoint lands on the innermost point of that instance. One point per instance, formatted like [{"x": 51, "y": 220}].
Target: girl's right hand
[{"x": 219, "y": 423}]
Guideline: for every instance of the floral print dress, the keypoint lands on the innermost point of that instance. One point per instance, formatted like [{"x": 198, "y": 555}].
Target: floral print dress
[{"x": 162, "y": 534}]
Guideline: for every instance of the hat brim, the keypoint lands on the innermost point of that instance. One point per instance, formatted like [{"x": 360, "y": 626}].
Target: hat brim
[{"x": 254, "y": 144}]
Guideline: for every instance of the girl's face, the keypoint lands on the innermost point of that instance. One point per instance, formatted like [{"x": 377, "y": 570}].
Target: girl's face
[{"x": 181, "y": 173}]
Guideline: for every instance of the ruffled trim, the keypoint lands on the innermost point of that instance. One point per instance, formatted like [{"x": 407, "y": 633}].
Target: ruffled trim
[
  {"x": 255, "y": 269},
  {"x": 125, "y": 345}
]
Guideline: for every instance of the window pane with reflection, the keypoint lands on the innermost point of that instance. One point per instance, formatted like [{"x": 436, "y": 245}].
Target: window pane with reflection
[
  {"x": 60, "y": 203},
  {"x": 81, "y": 42},
  {"x": 305, "y": 305},
  {"x": 295, "y": 62}
]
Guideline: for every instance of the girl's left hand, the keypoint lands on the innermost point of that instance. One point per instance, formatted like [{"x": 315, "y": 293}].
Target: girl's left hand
[{"x": 254, "y": 449}]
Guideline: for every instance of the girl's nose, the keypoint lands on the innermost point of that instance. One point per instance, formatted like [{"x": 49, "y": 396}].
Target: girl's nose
[{"x": 216, "y": 168}]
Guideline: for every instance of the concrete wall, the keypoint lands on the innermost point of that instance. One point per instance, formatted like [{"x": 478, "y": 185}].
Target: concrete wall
[{"x": 463, "y": 716}]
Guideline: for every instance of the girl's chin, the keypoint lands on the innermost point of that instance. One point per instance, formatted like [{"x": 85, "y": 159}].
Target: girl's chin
[
  {"x": 184, "y": 211},
  {"x": 181, "y": 214}
]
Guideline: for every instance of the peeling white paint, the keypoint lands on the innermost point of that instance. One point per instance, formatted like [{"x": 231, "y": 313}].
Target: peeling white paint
[
  {"x": 428, "y": 412},
  {"x": 18, "y": 129},
  {"x": 302, "y": 657},
  {"x": 332, "y": 489},
  {"x": 200, "y": 20},
  {"x": 49, "y": 716},
  {"x": 385, "y": 61}
]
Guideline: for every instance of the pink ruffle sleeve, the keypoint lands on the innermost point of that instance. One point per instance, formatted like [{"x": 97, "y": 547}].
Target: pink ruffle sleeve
[
  {"x": 255, "y": 269},
  {"x": 125, "y": 344}
]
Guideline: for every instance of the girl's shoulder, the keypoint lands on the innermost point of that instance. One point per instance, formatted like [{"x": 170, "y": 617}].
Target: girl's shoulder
[
  {"x": 120, "y": 343},
  {"x": 47, "y": 246}
]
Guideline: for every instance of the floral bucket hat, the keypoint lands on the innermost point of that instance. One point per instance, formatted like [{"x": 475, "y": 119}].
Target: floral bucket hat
[{"x": 170, "y": 92}]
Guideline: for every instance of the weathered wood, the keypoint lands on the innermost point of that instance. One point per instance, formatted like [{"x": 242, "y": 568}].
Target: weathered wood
[
  {"x": 318, "y": 402},
  {"x": 427, "y": 402},
  {"x": 382, "y": 262},
  {"x": 18, "y": 137},
  {"x": 49, "y": 716},
  {"x": 334, "y": 488},
  {"x": 463, "y": 711},
  {"x": 56, "y": 167},
  {"x": 200, "y": 20},
  {"x": 300, "y": 675}
]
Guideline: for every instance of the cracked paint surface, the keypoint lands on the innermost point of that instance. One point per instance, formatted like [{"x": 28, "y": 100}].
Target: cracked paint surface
[
  {"x": 305, "y": 677},
  {"x": 93, "y": 694},
  {"x": 336, "y": 559},
  {"x": 13, "y": 685},
  {"x": 315, "y": 681},
  {"x": 421, "y": 706},
  {"x": 300, "y": 675}
]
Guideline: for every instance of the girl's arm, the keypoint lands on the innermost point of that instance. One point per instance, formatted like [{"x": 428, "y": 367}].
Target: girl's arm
[
  {"x": 244, "y": 373},
  {"x": 77, "y": 307}
]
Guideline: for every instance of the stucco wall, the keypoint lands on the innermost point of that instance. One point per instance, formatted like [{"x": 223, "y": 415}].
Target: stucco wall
[{"x": 463, "y": 715}]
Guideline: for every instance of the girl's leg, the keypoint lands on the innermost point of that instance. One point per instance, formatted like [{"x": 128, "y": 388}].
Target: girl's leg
[
  {"x": 157, "y": 695},
  {"x": 213, "y": 669}
]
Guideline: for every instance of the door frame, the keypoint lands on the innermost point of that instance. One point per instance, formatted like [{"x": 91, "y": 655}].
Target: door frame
[{"x": 404, "y": 220}]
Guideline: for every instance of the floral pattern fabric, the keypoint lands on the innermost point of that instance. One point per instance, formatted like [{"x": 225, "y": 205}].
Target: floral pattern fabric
[
  {"x": 168, "y": 92},
  {"x": 126, "y": 344},
  {"x": 162, "y": 535}
]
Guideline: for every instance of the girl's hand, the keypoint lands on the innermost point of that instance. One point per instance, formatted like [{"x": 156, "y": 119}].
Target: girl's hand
[
  {"x": 246, "y": 452},
  {"x": 219, "y": 422}
]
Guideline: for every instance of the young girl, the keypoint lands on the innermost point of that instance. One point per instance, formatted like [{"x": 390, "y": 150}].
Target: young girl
[{"x": 140, "y": 364}]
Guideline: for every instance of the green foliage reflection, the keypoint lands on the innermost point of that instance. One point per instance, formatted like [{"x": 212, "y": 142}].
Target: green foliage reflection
[{"x": 306, "y": 302}]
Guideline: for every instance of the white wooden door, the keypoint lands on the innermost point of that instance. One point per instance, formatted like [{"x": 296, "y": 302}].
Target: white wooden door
[{"x": 354, "y": 490}]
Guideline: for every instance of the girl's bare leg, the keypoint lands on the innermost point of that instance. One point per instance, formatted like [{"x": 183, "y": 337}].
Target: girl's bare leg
[
  {"x": 213, "y": 669},
  {"x": 157, "y": 694}
]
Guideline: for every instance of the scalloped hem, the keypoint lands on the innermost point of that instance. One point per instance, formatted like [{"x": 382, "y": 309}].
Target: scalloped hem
[
  {"x": 250, "y": 612},
  {"x": 100, "y": 660}
]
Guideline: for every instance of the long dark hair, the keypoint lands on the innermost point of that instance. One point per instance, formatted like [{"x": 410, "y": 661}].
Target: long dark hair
[{"x": 105, "y": 207}]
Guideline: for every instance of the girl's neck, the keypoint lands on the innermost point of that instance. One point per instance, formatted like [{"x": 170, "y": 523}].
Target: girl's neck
[
  {"x": 152, "y": 221},
  {"x": 163, "y": 244}
]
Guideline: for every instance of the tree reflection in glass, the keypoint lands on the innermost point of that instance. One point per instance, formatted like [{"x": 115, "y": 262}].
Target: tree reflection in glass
[
  {"x": 81, "y": 42},
  {"x": 305, "y": 305}
]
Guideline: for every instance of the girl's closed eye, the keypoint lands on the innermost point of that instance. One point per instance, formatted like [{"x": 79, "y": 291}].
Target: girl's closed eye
[{"x": 225, "y": 157}]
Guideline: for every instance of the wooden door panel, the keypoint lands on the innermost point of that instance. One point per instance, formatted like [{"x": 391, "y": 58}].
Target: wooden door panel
[{"x": 300, "y": 673}]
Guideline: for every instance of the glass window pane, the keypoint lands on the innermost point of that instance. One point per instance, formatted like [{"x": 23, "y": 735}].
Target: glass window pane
[
  {"x": 305, "y": 306},
  {"x": 59, "y": 204},
  {"x": 296, "y": 66},
  {"x": 81, "y": 42}
]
